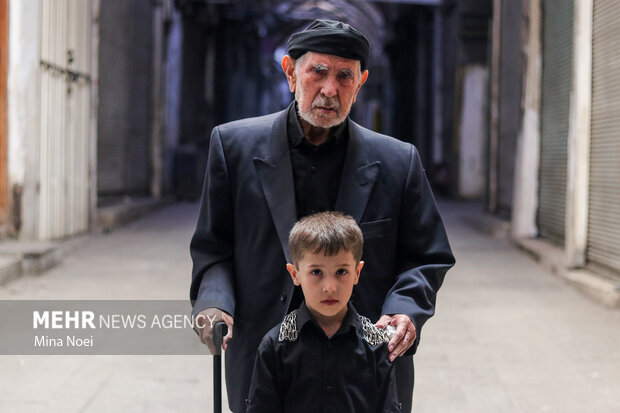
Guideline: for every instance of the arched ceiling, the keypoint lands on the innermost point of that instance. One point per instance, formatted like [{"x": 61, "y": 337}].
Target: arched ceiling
[
  {"x": 294, "y": 15},
  {"x": 278, "y": 19}
]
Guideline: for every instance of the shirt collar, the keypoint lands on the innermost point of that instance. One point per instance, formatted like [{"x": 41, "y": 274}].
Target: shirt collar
[
  {"x": 296, "y": 133},
  {"x": 351, "y": 319}
]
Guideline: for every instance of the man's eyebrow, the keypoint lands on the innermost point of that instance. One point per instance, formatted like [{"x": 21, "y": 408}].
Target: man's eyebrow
[{"x": 319, "y": 66}]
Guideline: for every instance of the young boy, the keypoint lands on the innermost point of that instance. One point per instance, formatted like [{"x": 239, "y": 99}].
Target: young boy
[{"x": 324, "y": 357}]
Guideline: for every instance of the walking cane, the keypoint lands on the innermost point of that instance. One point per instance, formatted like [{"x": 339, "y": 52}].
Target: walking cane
[{"x": 219, "y": 331}]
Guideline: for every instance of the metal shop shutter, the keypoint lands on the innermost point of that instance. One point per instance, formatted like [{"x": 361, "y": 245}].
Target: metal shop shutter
[
  {"x": 140, "y": 102},
  {"x": 557, "y": 37},
  {"x": 65, "y": 118},
  {"x": 124, "y": 118},
  {"x": 510, "y": 84},
  {"x": 112, "y": 119},
  {"x": 604, "y": 212}
]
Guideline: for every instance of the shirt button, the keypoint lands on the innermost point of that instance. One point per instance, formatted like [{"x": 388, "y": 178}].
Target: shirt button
[
  {"x": 283, "y": 296},
  {"x": 328, "y": 389},
  {"x": 313, "y": 168}
]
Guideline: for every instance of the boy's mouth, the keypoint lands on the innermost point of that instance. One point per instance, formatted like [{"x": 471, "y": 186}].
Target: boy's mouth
[{"x": 330, "y": 301}]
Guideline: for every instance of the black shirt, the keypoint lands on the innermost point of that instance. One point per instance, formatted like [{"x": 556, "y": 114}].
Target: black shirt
[
  {"x": 316, "y": 168},
  {"x": 316, "y": 172},
  {"x": 298, "y": 369}
]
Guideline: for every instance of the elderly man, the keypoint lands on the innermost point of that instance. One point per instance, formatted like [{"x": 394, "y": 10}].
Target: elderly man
[{"x": 264, "y": 173}]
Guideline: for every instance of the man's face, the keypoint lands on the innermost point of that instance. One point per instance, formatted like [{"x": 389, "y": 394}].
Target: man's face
[
  {"x": 327, "y": 282},
  {"x": 325, "y": 87}
]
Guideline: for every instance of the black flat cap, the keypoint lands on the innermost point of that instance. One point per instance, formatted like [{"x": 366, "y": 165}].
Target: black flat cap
[{"x": 330, "y": 37}]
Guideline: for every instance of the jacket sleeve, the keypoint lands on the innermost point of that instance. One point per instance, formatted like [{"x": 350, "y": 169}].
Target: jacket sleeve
[
  {"x": 264, "y": 396},
  {"x": 386, "y": 384},
  {"x": 423, "y": 254},
  {"x": 211, "y": 247}
]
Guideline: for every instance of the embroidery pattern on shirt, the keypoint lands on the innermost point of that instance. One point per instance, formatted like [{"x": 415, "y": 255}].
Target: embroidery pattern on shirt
[
  {"x": 288, "y": 329},
  {"x": 373, "y": 334}
]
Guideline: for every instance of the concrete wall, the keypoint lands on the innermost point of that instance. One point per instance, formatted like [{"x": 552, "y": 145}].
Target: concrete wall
[
  {"x": 473, "y": 132},
  {"x": 527, "y": 162},
  {"x": 23, "y": 115}
]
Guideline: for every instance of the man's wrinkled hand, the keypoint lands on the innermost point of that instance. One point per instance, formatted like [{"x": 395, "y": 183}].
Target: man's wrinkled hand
[
  {"x": 404, "y": 336},
  {"x": 204, "y": 323}
]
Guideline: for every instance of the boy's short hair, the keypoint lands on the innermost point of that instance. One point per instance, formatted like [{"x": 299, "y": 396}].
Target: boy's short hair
[{"x": 326, "y": 232}]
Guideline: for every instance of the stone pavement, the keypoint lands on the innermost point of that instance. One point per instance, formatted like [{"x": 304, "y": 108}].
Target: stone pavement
[
  {"x": 507, "y": 337},
  {"x": 148, "y": 259}
]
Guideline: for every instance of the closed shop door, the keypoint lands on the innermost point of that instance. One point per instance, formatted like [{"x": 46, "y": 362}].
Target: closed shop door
[
  {"x": 140, "y": 103},
  {"x": 510, "y": 84},
  {"x": 65, "y": 115},
  {"x": 124, "y": 117},
  {"x": 557, "y": 38},
  {"x": 604, "y": 206}
]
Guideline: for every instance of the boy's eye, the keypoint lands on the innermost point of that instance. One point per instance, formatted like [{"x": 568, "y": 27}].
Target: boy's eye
[
  {"x": 316, "y": 272},
  {"x": 341, "y": 271}
]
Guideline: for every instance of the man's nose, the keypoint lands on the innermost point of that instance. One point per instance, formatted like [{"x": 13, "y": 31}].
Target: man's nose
[{"x": 330, "y": 87}]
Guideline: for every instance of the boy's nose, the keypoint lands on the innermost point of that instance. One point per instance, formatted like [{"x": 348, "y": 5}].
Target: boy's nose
[{"x": 329, "y": 286}]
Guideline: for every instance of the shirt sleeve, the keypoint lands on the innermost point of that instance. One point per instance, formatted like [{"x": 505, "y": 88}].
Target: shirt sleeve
[{"x": 264, "y": 396}]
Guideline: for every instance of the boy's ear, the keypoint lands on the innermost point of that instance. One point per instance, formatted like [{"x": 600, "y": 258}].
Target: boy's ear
[
  {"x": 357, "y": 271},
  {"x": 293, "y": 271}
]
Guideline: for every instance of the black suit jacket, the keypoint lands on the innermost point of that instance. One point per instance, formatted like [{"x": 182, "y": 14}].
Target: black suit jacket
[{"x": 240, "y": 245}]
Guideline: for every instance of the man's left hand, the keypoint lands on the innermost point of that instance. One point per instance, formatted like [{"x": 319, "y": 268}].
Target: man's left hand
[{"x": 404, "y": 336}]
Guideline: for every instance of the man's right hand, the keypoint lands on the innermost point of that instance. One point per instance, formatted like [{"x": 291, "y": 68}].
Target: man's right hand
[{"x": 206, "y": 320}]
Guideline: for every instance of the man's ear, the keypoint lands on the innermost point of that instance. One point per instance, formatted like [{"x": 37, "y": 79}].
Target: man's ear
[
  {"x": 362, "y": 81},
  {"x": 293, "y": 271},
  {"x": 288, "y": 66}
]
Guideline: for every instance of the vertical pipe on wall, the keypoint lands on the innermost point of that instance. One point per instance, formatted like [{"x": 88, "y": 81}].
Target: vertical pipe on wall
[
  {"x": 157, "y": 117},
  {"x": 494, "y": 121},
  {"x": 94, "y": 109}
]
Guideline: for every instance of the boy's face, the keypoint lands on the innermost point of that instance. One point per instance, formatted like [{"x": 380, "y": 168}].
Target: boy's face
[{"x": 327, "y": 282}]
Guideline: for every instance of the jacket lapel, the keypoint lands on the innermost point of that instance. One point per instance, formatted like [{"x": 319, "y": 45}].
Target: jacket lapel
[
  {"x": 275, "y": 174},
  {"x": 358, "y": 176}
]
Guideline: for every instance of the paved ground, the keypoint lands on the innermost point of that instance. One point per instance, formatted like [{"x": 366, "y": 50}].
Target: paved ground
[
  {"x": 507, "y": 337},
  {"x": 510, "y": 337}
]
